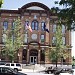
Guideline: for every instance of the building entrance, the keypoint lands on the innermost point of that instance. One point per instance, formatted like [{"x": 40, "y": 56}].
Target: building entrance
[
  {"x": 33, "y": 59},
  {"x": 33, "y": 56}
]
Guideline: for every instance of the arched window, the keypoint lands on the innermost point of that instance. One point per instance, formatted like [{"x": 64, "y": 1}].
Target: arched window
[
  {"x": 24, "y": 53},
  {"x": 34, "y": 25},
  {"x": 5, "y": 25}
]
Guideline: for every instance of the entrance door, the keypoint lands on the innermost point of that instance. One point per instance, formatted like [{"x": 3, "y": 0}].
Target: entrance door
[{"x": 33, "y": 59}]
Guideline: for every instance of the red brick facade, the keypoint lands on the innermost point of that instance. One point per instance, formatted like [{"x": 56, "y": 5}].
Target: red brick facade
[{"x": 38, "y": 40}]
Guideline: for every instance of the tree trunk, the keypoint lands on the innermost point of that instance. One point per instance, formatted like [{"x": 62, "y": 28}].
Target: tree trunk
[{"x": 56, "y": 60}]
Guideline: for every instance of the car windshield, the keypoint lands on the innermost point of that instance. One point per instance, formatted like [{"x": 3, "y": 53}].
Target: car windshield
[{"x": 10, "y": 69}]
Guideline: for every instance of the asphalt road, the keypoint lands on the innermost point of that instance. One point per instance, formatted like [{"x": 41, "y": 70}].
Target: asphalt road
[{"x": 33, "y": 73}]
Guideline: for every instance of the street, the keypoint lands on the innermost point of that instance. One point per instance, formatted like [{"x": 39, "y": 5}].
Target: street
[{"x": 33, "y": 73}]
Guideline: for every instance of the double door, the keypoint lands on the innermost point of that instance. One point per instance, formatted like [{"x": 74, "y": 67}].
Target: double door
[{"x": 33, "y": 59}]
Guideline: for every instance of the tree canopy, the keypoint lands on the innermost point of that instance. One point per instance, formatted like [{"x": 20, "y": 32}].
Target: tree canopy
[
  {"x": 59, "y": 50},
  {"x": 13, "y": 40},
  {"x": 1, "y": 2},
  {"x": 67, "y": 13}
]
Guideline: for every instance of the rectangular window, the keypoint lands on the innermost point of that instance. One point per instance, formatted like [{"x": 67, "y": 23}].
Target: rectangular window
[
  {"x": 42, "y": 38},
  {"x": 13, "y": 25},
  {"x": 63, "y": 29},
  {"x": 5, "y": 25},
  {"x": 64, "y": 42},
  {"x": 25, "y": 38},
  {"x": 54, "y": 28},
  {"x": 53, "y": 40},
  {"x": 42, "y": 26},
  {"x": 13, "y": 38},
  {"x": 4, "y": 38}
]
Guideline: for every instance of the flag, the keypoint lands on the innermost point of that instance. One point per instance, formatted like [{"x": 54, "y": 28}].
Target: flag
[
  {"x": 45, "y": 28},
  {"x": 28, "y": 27}
]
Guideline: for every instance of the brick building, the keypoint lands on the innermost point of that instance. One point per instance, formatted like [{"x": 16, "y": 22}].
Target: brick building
[{"x": 38, "y": 42}]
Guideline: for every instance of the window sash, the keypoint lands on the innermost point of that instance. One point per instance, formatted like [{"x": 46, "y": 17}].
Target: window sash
[
  {"x": 5, "y": 25},
  {"x": 25, "y": 38},
  {"x": 4, "y": 38},
  {"x": 63, "y": 28},
  {"x": 42, "y": 38},
  {"x": 53, "y": 40},
  {"x": 64, "y": 41},
  {"x": 34, "y": 25},
  {"x": 54, "y": 28},
  {"x": 42, "y": 26},
  {"x": 13, "y": 25}
]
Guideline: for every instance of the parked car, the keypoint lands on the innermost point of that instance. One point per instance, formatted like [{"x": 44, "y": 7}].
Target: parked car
[
  {"x": 9, "y": 71},
  {"x": 67, "y": 70},
  {"x": 58, "y": 70},
  {"x": 16, "y": 66},
  {"x": 73, "y": 66},
  {"x": 2, "y": 63}
]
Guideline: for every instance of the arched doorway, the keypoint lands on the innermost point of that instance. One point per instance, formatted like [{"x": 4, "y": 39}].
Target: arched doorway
[
  {"x": 24, "y": 56},
  {"x": 33, "y": 56}
]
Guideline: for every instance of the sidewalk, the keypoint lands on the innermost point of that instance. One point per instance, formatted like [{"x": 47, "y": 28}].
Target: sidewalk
[
  {"x": 35, "y": 72},
  {"x": 38, "y": 68},
  {"x": 29, "y": 70}
]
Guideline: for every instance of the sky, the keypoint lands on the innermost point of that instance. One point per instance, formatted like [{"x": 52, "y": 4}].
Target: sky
[{"x": 15, "y": 4}]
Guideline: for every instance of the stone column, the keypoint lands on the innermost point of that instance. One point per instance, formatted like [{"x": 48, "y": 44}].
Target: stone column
[
  {"x": 27, "y": 56},
  {"x": 39, "y": 56}
]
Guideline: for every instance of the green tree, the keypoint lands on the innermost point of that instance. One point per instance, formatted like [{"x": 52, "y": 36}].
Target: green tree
[
  {"x": 73, "y": 60},
  {"x": 58, "y": 51},
  {"x": 13, "y": 40},
  {"x": 67, "y": 12},
  {"x": 1, "y": 2}
]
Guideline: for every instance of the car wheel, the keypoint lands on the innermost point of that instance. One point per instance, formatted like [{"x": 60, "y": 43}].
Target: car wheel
[
  {"x": 16, "y": 70},
  {"x": 49, "y": 72}
]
